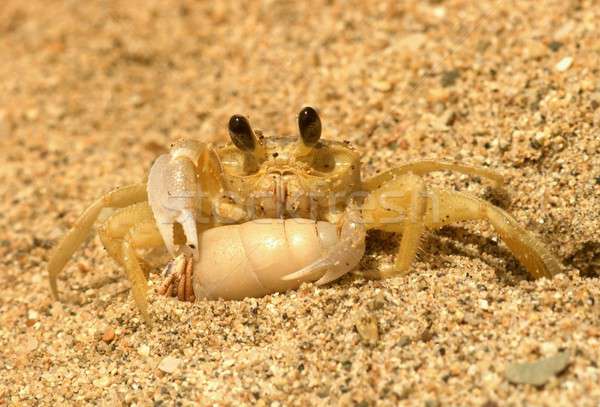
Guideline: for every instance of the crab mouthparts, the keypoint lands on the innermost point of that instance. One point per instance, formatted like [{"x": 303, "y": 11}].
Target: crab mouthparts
[{"x": 280, "y": 195}]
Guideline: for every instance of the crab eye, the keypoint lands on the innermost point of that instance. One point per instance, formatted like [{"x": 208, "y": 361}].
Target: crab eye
[
  {"x": 309, "y": 124},
  {"x": 241, "y": 133}
]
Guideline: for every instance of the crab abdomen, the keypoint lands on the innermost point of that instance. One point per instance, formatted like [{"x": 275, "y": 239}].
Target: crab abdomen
[{"x": 249, "y": 260}]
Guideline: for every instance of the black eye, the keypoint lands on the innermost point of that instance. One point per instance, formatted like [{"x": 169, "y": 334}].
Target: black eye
[
  {"x": 241, "y": 133},
  {"x": 309, "y": 124}
]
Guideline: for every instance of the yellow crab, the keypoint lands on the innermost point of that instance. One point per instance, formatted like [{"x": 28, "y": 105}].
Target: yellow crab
[{"x": 259, "y": 215}]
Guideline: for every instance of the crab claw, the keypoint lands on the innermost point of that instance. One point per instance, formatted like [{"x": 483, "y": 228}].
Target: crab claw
[
  {"x": 173, "y": 193},
  {"x": 342, "y": 257},
  {"x": 177, "y": 184}
]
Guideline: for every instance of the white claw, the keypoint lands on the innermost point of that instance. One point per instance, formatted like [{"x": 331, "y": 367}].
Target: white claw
[
  {"x": 157, "y": 195},
  {"x": 188, "y": 222},
  {"x": 172, "y": 205}
]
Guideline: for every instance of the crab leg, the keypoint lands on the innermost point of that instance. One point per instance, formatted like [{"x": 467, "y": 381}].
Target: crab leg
[
  {"x": 398, "y": 206},
  {"x": 446, "y": 207},
  {"x": 135, "y": 274},
  {"x": 116, "y": 198},
  {"x": 178, "y": 282},
  {"x": 387, "y": 209},
  {"x": 423, "y": 167},
  {"x": 125, "y": 231},
  {"x": 136, "y": 220}
]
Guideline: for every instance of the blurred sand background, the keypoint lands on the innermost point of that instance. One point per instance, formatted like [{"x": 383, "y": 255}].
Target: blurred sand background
[{"x": 91, "y": 92}]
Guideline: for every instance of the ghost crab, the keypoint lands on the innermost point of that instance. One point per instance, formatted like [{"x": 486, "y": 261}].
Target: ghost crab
[{"x": 259, "y": 215}]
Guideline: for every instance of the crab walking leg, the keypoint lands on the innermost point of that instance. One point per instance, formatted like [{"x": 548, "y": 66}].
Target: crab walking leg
[
  {"x": 135, "y": 274},
  {"x": 398, "y": 206},
  {"x": 178, "y": 278},
  {"x": 136, "y": 217},
  {"x": 423, "y": 167},
  {"x": 130, "y": 228},
  {"x": 116, "y": 198},
  {"x": 446, "y": 207},
  {"x": 125, "y": 231}
]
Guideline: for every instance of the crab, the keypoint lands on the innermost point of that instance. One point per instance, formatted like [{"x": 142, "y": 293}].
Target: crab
[{"x": 198, "y": 190}]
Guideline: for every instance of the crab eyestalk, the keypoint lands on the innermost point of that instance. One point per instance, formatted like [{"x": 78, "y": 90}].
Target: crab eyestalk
[
  {"x": 244, "y": 138},
  {"x": 309, "y": 125}
]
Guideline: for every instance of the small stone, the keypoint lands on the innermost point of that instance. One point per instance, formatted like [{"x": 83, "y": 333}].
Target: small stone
[
  {"x": 403, "y": 144},
  {"x": 483, "y": 304},
  {"x": 449, "y": 78},
  {"x": 443, "y": 121},
  {"x": 403, "y": 341},
  {"x": 412, "y": 42},
  {"x": 32, "y": 315},
  {"x": 144, "y": 350},
  {"x": 136, "y": 101},
  {"x": 366, "y": 326},
  {"x": 377, "y": 303},
  {"x": 169, "y": 364},
  {"x": 30, "y": 344},
  {"x": 101, "y": 382},
  {"x": 402, "y": 391},
  {"x": 564, "y": 31},
  {"x": 382, "y": 86},
  {"x": 109, "y": 335},
  {"x": 323, "y": 391},
  {"x": 536, "y": 50},
  {"x": 539, "y": 372},
  {"x": 55, "y": 111},
  {"x": 555, "y": 45},
  {"x": 564, "y": 64},
  {"x": 32, "y": 114},
  {"x": 426, "y": 335},
  {"x": 448, "y": 118},
  {"x": 548, "y": 348},
  {"x": 439, "y": 95}
]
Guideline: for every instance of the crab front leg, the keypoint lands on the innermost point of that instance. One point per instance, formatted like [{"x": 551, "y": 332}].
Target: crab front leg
[
  {"x": 402, "y": 205},
  {"x": 178, "y": 186}
]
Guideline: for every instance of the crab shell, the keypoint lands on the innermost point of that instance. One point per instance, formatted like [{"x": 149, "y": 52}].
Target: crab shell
[
  {"x": 285, "y": 178},
  {"x": 223, "y": 185}
]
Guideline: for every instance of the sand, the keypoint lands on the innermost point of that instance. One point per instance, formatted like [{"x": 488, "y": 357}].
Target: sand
[{"x": 92, "y": 92}]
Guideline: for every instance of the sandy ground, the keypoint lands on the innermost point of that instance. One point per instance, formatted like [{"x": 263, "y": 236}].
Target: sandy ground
[{"x": 92, "y": 91}]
